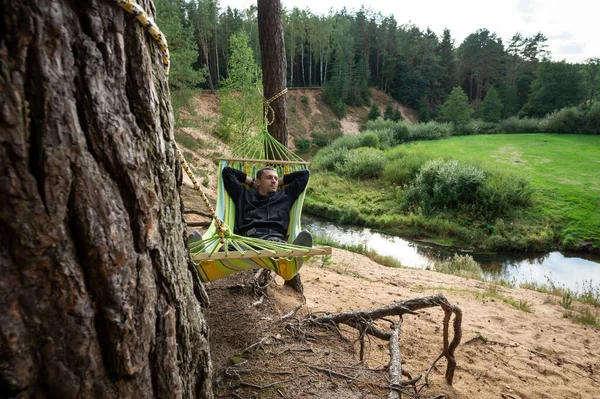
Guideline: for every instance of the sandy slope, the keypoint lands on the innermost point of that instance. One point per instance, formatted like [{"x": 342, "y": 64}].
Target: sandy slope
[{"x": 536, "y": 354}]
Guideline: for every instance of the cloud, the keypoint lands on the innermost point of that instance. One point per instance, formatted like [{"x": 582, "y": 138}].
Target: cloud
[
  {"x": 526, "y": 6},
  {"x": 561, "y": 36},
  {"x": 528, "y": 19},
  {"x": 572, "y": 48}
]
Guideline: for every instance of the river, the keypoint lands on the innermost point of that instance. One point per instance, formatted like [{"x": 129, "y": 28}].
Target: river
[{"x": 578, "y": 272}]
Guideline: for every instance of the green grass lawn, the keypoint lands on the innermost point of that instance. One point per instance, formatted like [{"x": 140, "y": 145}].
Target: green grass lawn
[{"x": 564, "y": 171}]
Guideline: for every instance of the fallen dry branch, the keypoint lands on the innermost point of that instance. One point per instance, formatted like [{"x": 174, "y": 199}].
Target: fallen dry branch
[{"x": 364, "y": 322}]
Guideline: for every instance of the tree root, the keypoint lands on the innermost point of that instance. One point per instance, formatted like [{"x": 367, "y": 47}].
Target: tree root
[{"x": 363, "y": 321}]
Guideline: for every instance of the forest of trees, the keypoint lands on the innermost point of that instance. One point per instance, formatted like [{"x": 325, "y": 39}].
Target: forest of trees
[{"x": 347, "y": 52}]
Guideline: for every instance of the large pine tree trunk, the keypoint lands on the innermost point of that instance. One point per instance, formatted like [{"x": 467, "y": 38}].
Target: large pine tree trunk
[
  {"x": 98, "y": 297},
  {"x": 272, "y": 54}
]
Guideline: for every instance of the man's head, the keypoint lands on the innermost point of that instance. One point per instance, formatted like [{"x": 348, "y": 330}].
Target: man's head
[{"x": 267, "y": 180}]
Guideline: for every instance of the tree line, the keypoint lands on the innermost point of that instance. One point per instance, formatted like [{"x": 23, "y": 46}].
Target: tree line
[{"x": 348, "y": 52}]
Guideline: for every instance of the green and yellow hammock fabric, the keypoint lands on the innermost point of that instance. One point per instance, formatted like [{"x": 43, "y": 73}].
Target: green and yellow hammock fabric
[{"x": 221, "y": 252}]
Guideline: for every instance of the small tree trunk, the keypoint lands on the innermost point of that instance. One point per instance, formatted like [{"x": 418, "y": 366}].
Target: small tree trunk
[
  {"x": 272, "y": 52},
  {"x": 99, "y": 296}
]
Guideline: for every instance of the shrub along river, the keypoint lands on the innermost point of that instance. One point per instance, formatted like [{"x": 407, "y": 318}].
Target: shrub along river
[{"x": 573, "y": 271}]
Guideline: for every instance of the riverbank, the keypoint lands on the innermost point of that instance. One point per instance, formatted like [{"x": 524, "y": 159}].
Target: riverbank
[
  {"x": 517, "y": 193},
  {"x": 516, "y": 343}
]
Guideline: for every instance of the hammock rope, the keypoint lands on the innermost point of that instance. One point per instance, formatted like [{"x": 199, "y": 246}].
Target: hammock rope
[
  {"x": 267, "y": 106},
  {"x": 147, "y": 22}
]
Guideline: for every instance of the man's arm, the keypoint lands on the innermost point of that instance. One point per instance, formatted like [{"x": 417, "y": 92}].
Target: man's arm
[
  {"x": 233, "y": 179},
  {"x": 295, "y": 182}
]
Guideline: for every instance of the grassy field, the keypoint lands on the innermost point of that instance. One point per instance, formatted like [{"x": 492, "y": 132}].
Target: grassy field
[
  {"x": 563, "y": 210},
  {"x": 564, "y": 170}
]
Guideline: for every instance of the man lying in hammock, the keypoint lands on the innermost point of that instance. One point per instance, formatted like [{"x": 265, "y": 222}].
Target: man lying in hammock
[{"x": 265, "y": 213}]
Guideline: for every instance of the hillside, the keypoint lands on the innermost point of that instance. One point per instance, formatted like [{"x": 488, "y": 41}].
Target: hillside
[
  {"x": 516, "y": 344},
  {"x": 307, "y": 113}
]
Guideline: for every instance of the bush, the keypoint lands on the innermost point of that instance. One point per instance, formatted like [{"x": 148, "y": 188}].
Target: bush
[
  {"x": 389, "y": 131},
  {"x": 379, "y": 124},
  {"x": 303, "y": 144},
  {"x": 374, "y": 112},
  {"x": 321, "y": 139},
  {"x": 403, "y": 170},
  {"x": 523, "y": 125},
  {"x": 304, "y": 101},
  {"x": 566, "y": 120},
  {"x": 328, "y": 158},
  {"x": 368, "y": 139},
  {"x": 482, "y": 127},
  {"x": 446, "y": 184},
  {"x": 362, "y": 163},
  {"x": 593, "y": 119},
  {"x": 349, "y": 142},
  {"x": 430, "y": 131},
  {"x": 502, "y": 192}
]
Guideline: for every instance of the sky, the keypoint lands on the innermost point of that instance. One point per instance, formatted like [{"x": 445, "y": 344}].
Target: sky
[{"x": 569, "y": 25}]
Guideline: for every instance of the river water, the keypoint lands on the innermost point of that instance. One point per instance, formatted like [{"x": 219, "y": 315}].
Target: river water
[{"x": 577, "y": 272}]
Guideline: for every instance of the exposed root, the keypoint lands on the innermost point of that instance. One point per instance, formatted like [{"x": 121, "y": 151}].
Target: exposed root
[{"x": 364, "y": 322}]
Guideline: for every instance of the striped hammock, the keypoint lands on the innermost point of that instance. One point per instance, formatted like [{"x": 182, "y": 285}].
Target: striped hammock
[{"x": 220, "y": 252}]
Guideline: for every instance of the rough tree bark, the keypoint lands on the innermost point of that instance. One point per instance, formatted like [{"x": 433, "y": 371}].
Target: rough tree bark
[
  {"x": 98, "y": 297},
  {"x": 272, "y": 55}
]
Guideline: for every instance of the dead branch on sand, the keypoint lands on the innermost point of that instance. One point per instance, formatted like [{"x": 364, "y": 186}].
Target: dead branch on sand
[{"x": 363, "y": 321}]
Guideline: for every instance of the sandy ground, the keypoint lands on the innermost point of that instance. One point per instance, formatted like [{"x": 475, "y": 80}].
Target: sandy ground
[{"x": 535, "y": 354}]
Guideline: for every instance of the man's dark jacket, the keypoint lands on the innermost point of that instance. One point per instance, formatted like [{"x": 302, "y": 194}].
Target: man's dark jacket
[{"x": 268, "y": 215}]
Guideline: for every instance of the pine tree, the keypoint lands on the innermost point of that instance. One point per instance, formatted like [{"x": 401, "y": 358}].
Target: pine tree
[
  {"x": 182, "y": 48},
  {"x": 456, "y": 109},
  {"x": 241, "y": 101},
  {"x": 374, "y": 112},
  {"x": 491, "y": 107}
]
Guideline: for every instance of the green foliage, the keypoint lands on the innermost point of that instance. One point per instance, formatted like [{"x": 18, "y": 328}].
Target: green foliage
[
  {"x": 322, "y": 139},
  {"x": 241, "y": 102},
  {"x": 491, "y": 107},
  {"x": 593, "y": 119},
  {"x": 348, "y": 142},
  {"x": 566, "y": 120},
  {"x": 362, "y": 163},
  {"x": 403, "y": 170},
  {"x": 502, "y": 192},
  {"x": 391, "y": 113},
  {"x": 460, "y": 265},
  {"x": 446, "y": 185},
  {"x": 399, "y": 131},
  {"x": 369, "y": 139},
  {"x": 520, "y": 125},
  {"x": 387, "y": 114},
  {"x": 557, "y": 85},
  {"x": 328, "y": 158},
  {"x": 187, "y": 141},
  {"x": 374, "y": 112},
  {"x": 456, "y": 109},
  {"x": 430, "y": 131},
  {"x": 585, "y": 317},
  {"x": 477, "y": 127},
  {"x": 304, "y": 101},
  {"x": 303, "y": 144},
  {"x": 567, "y": 299},
  {"x": 183, "y": 49}
]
